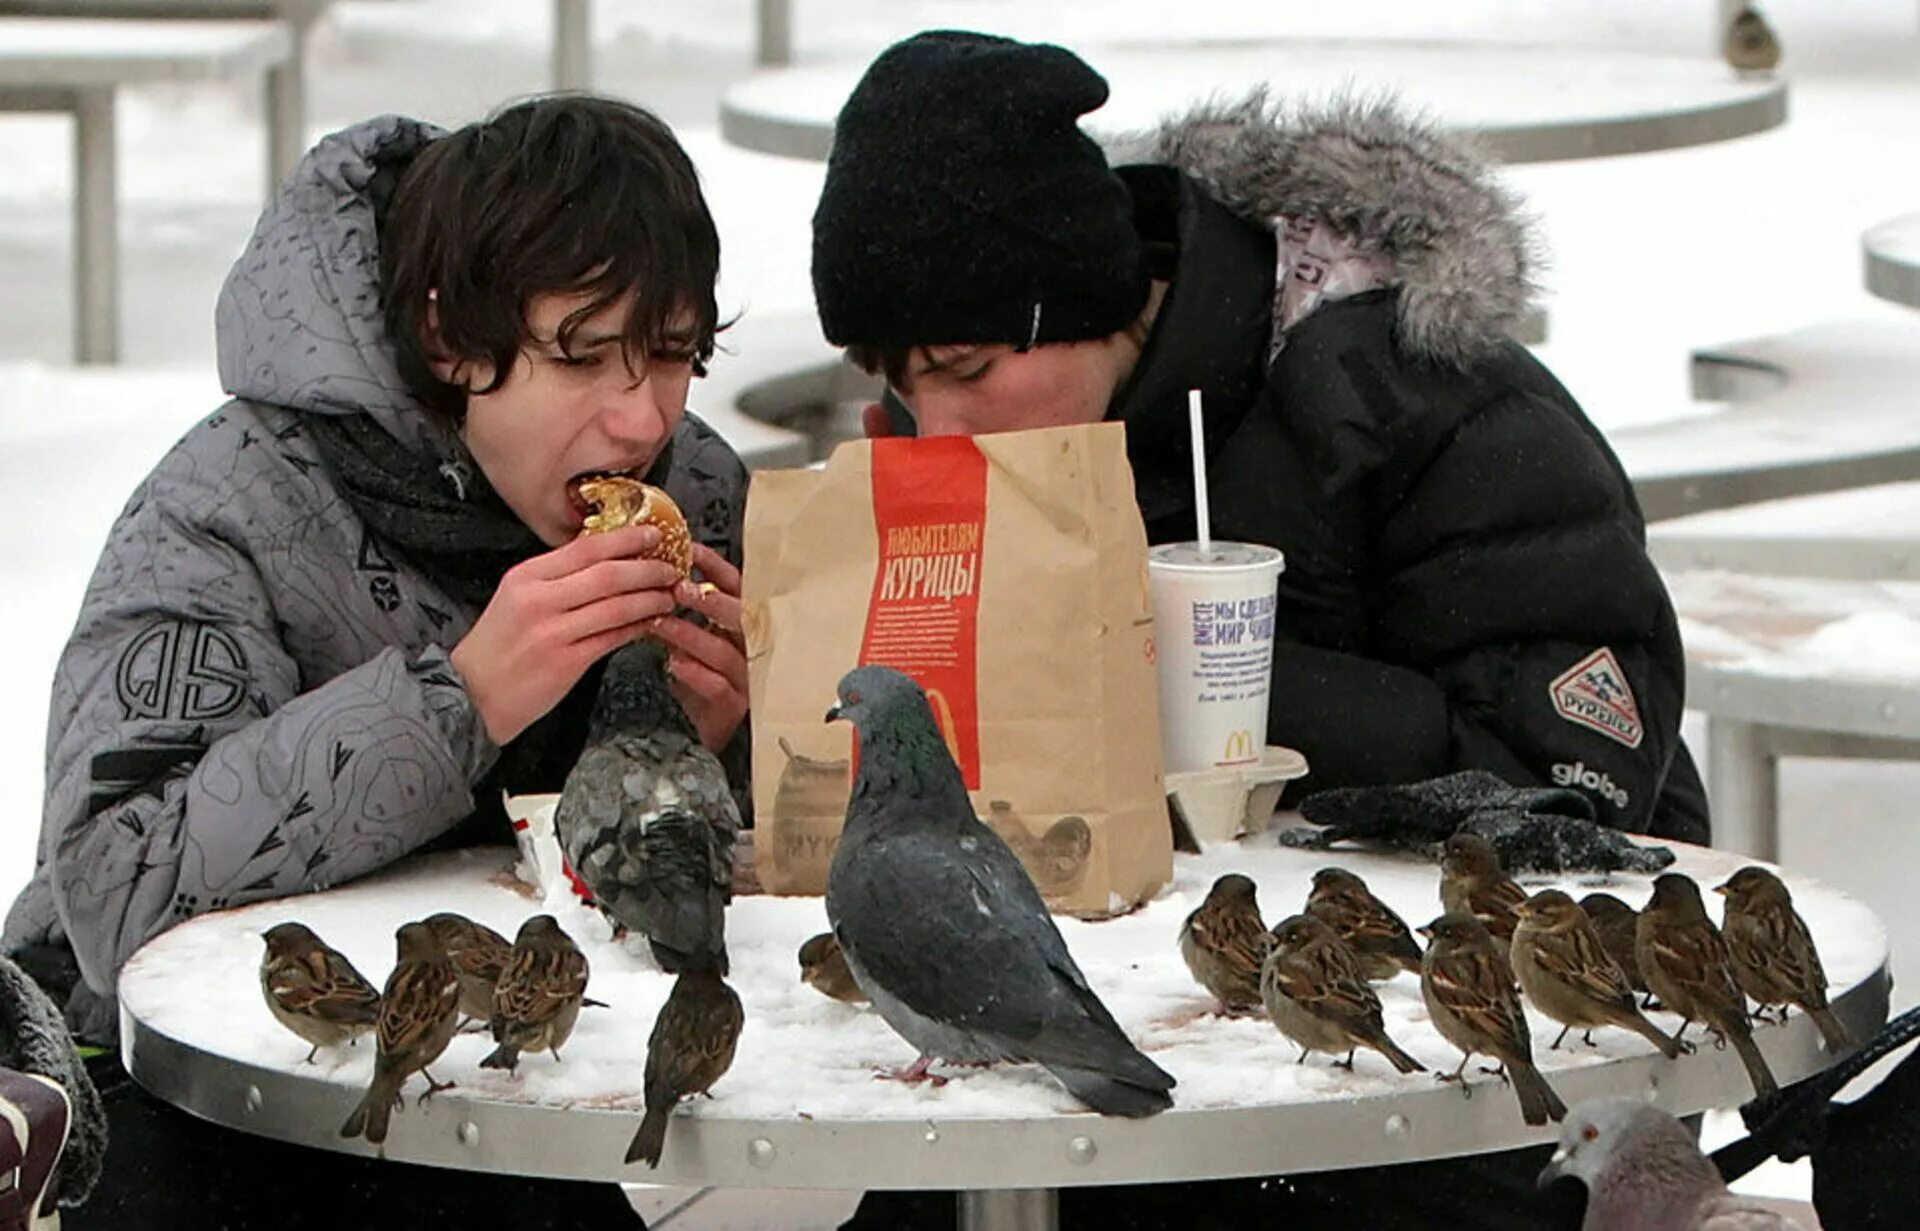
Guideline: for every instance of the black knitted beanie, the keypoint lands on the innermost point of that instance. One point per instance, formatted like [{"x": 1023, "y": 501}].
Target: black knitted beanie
[{"x": 964, "y": 204}]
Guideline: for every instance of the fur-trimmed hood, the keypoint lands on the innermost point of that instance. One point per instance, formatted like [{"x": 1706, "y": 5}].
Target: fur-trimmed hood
[{"x": 1462, "y": 251}]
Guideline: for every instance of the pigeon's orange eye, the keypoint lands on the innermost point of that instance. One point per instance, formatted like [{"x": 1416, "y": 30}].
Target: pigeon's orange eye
[
  {"x": 1589, "y": 1133},
  {"x": 853, "y": 697}
]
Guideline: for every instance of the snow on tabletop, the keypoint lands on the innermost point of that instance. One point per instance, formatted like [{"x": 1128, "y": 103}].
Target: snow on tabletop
[
  {"x": 1800, "y": 626},
  {"x": 803, "y": 1054},
  {"x": 1883, "y": 511}
]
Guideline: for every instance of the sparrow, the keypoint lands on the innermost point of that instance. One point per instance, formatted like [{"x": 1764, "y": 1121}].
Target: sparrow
[
  {"x": 1313, "y": 990},
  {"x": 478, "y": 954},
  {"x": 1774, "y": 959},
  {"x": 1749, "y": 44},
  {"x": 539, "y": 993},
  {"x": 1224, "y": 942},
  {"x": 1614, "y": 923},
  {"x": 690, "y": 1048},
  {"x": 1564, "y": 969},
  {"x": 1474, "y": 1004},
  {"x": 313, "y": 990},
  {"x": 824, "y": 968},
  {"x": 418, "y": 1011},
  {"x": 1379, "y": 938},
  {"x": 1471, "y": 883},
  {"x": 1688, "y": 966}
]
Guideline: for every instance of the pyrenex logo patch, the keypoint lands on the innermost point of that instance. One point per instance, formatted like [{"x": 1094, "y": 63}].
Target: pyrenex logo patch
[{"x": 1594, "y": 693}]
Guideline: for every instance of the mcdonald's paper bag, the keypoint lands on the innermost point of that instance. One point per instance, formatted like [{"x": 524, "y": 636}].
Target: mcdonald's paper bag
[{"x": 1007, "y": 574}]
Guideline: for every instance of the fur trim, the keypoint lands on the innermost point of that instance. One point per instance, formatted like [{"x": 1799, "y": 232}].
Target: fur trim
[
  {"x": 34, "y": 1039},
  {"x": 1462, "y": 249}
]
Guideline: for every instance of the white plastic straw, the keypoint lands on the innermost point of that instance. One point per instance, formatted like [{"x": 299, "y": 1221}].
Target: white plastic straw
[{"x": 1203, "y": 517}]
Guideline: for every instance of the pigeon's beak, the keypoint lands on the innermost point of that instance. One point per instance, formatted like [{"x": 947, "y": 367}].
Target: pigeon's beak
[
  {"x": 833, "y": 714},
  {"x": 1552, "y": 1174}
]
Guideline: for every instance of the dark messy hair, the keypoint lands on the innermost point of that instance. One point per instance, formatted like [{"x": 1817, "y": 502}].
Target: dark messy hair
[{"x": 564, "y": 194}]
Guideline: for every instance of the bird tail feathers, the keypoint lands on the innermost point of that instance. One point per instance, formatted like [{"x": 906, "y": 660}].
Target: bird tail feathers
[
  {"x": 652, "y": 1137},
  {"x": 1757, "y": 1070},
  {"x": 1538, "y": 1102},
  {"x": 1830, "y": 1029}
]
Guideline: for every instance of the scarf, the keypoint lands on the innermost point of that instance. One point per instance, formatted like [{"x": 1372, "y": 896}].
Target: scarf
[{"x": 450, "y": 525}]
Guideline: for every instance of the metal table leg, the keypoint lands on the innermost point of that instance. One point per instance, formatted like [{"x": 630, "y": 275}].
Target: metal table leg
[
  {"x": 1010, "y": 1209},
  {"x": 286, "y": 99},
  {"x": 773, "y": 33},
  {"x": 1743, "y": 788},
  {"x": 572, "y": 45},
  {"x": 96, "y": 239}
]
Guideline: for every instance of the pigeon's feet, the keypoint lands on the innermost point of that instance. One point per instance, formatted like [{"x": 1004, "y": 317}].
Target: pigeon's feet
[{"x": 913, "y": 1074}]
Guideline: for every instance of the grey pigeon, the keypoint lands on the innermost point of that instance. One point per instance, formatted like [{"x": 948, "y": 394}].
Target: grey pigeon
[
  {"x": 942, "y": 927},
  {"x": 1644, "y": 1172},
  {"x": 646, "y": 820},
  {"x": 1534, "y": 829}
]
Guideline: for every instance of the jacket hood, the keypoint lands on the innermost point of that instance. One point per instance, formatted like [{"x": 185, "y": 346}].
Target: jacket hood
[
  {"x": 1460, "y": 249},
  {"x": 299, "y": 321}
]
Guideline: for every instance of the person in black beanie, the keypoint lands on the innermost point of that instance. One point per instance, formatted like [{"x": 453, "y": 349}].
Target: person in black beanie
[
  {"x": 353, "y": 605},
  {"x": 1466, "y": 581}
]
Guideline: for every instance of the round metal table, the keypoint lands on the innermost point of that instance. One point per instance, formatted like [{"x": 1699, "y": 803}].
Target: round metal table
[
  {"x": 1892, "y": 254},
  {"x": 800, "y": 1108},
  {"x": 1528, "y": 104}
]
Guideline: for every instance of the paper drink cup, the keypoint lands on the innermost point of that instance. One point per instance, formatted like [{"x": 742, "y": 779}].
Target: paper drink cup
[{"x": 1213, "y": 635}]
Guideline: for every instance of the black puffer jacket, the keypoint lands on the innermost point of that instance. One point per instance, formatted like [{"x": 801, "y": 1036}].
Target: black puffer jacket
[{"x": 1466, "y": 582}]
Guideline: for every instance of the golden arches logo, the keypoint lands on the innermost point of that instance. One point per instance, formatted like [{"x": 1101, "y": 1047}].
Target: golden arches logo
[
  {"x": 1239, "y": 747},
  {"x": 943, "y": 718}
]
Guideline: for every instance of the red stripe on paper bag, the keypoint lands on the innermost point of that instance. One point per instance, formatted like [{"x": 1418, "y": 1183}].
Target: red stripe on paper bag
[{"x": 930, "y": 510}]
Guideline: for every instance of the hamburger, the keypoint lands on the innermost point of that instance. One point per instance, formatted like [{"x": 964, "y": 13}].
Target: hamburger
[{"x": 617, "y": 500}]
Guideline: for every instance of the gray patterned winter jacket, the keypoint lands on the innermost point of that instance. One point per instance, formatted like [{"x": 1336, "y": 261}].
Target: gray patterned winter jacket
[{"x": 256, "y": 700}]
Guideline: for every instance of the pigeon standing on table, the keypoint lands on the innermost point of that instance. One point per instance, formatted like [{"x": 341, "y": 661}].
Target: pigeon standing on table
[
  {"x": 1643, "y": 1171},
  {"x": 1689, "y": 968},
  {"x": 418, "y": 1012},
  {"x": 1774, "y": 960},
  {"x": 646, "y": 819},
  {"x": 1224, "y": 941},
  {"x": 1379, "y": 938},
  {"x": 691, "y": 1047},
  {"x": 944, "y": 929},
  {"x": 314, "y": 990},
  {"x": 538, "y": 997}
]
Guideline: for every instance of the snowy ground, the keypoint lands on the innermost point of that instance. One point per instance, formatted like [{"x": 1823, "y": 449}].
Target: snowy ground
[{"x": 1651, "y": 255}]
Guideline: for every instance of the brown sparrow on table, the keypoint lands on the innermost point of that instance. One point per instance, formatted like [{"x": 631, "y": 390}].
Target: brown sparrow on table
[
  {"x": 1224, "y": 942},
  {"x": 1774, "y": 958},
  {"x": 823, "y": 967},
  {"x": 1474, "y": 1004},
  {"x": 1689, "y": 968},
  {"x": 691, "y": 1048},
  {"x": 1314, "y": 991},
  {"x": 1566, "y": 972},
  {"x": 418, "y": 1012},
  {"x": 538, "y": 996},
  {"x": 313, "y": 990},
  {"x": 478, "y": 954},
  {"x": 1379, "y": 938},
  {"x": 1472, "y": 883}
]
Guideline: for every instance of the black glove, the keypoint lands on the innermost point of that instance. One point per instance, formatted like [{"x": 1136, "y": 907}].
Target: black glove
[{"x": 1537, "y": 829}]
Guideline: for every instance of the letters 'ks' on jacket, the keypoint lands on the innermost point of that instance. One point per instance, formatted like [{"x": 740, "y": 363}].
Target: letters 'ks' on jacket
[
  {"x": 256, "y": 700},
  {"x": 1466, "y": 577}
]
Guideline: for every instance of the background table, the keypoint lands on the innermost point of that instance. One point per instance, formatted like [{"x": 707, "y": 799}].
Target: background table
[
  {"x": 1892, "y": 254},
  {"x": 800, "y": 1109},
  {"x": 1528, "y": 104},
  {"x": 1794, "y": 666}
]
